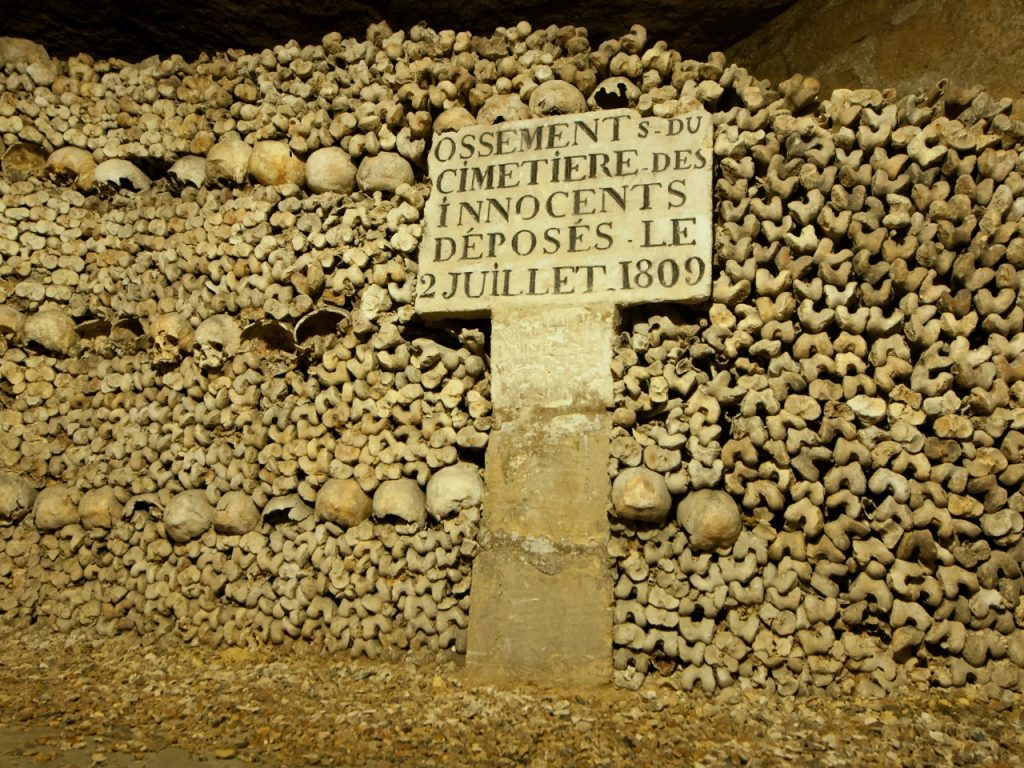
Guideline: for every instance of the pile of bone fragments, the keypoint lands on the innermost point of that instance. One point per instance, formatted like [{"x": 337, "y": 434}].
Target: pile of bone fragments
[{"x": 221, "y": 417}]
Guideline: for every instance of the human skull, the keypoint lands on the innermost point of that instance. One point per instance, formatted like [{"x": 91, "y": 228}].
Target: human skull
[
  {"x": 23, "y": 160},
  {"x": 51, "y": 329},
  {"x": 117, "y": 174},
  {"x": 712, "y": 519},
  {"x": 189, "y": 515},
  {"x": 454, "y": 119},
  {"x": 384, "y": 172},
  {"x": 216, "y": 339},
  {"x": 16, "y": 498},
  {"x": 401, "y": 501},
  {"x": 453, "y": 489},
  {"x": 274, "y": 163},
  {"x": 503, "y": 108},
  {"x": 342, "y": 502},
  {"x": 227, "y": 163},
  {"x": 100, "y": 508},
  {"x": 172, "y": 337},
  {"x": 12, "y": 322},
  {"x": 54, "y": 508},
  {"x": 639, "y": 493},
  {"x": 236, "y": 514},
  {"x": 613, "y": 93},
  {"x": 187, "y": 171},
  {"x": 283, "y": 509},
  {"x": 330, "y": 169},
  {"x": 72, "y": 165},
  {"x": 557, "y": 97}
]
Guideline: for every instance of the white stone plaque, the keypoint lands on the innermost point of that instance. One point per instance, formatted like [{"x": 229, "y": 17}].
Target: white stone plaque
[{"x": 604, "y": 206}]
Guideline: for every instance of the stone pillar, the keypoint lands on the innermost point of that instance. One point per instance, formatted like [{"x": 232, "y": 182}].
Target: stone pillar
[
  {"x": 581, "y": 213},
  {"x": 542, "y": 583}
]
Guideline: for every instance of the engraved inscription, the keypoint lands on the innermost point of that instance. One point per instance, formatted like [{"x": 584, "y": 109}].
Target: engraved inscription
[{"x": 598, "y": 207}]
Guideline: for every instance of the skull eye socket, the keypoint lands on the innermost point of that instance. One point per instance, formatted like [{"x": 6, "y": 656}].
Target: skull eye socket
[{"x": 611, "y": 97}]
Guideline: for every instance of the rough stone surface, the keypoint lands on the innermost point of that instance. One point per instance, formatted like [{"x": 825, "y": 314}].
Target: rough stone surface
[
  {"x": 541, "y": 582},
  {"x": 530, "y": 355},
  {"x": 538, "y": 484},
  {"x": 695, "y": 26},
  {"x": 180, "y": 704},
  {"x": 907, "y": 46},
  {"x": 540, "y": 616}
]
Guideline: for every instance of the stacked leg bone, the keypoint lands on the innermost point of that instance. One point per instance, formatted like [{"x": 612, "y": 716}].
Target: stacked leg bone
[{"x": 852, "y": 387}]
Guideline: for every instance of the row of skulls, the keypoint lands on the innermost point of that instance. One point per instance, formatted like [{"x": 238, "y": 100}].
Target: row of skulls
[
  {"x": 232, "y": 161},
  {"x": 217, "y": 339}
]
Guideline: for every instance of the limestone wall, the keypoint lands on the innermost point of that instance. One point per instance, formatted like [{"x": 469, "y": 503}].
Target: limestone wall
[
  {"x": 901, "y": 45},
  {"x": 223, "y": 419}
]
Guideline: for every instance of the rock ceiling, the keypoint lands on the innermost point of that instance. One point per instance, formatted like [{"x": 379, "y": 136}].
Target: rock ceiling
[{"x": 133, "y": 31}]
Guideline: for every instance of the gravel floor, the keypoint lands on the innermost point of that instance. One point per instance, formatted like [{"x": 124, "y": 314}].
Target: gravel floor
[{"x": 119, "y": 702}]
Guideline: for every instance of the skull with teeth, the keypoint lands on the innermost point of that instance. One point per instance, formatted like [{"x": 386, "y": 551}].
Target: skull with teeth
[
  {"x": 172, "y": 337},
  {"x": 217, "y": 339}
]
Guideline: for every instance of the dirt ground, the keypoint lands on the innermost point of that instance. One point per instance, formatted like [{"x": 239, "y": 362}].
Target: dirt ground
[{"x": 121, "y": 702}]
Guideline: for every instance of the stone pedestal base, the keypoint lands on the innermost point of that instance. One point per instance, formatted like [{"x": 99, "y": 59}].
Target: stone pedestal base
[
  {"x": 542, "y": 586},
  {"x": 541, "y": 617}
]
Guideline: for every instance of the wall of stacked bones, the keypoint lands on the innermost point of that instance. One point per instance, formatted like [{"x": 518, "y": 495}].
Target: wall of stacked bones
[{"x": 222, "y": 419}]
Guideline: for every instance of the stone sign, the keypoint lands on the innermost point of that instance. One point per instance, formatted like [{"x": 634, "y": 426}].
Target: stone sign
[
  {"x": 601, "y": 207},
  {"x": 547, "y": 226}
]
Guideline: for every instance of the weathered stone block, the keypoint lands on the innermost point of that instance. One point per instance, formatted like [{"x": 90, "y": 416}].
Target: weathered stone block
[
  {"x": 562, "y": 639},
  {"x": 550, "y": 479},
  {"x": 558, "y": 359}
]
